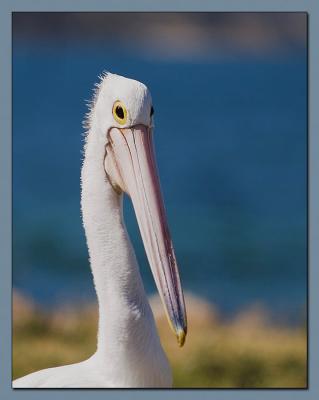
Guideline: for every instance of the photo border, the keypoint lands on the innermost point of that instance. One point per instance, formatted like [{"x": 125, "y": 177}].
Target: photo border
[{"x": 7, "y": 7}]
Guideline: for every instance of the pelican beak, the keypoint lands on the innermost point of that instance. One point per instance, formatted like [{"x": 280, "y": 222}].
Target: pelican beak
[{"x": 131, "y": 167}]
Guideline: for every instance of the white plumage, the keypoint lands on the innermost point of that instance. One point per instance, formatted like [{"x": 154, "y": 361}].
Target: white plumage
[{"x": 118, "y": 158}]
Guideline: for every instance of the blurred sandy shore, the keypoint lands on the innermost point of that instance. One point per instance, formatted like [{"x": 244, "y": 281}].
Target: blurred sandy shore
[{"x": 247, "y": 351}]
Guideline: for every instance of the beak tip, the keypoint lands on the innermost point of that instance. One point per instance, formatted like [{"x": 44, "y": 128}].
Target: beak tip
[{"x": 181, "y": 336}]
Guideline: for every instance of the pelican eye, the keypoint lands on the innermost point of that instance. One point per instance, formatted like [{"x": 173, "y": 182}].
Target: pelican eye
[{"x": 119, "y": 112}]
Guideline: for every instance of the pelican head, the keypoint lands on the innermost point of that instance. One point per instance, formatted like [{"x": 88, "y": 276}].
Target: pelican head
[{"x": 124, "y": 111}]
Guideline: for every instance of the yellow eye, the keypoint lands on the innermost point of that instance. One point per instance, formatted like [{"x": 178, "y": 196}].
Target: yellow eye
[{"x": 119, "y": 112}]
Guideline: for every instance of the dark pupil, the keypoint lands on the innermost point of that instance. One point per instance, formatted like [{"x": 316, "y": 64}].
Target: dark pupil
[
  {"x": 119, "y": 112},
  {"x": 152, "y": 110}
]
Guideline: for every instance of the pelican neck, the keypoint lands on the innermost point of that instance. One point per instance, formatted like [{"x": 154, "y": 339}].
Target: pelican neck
[{"x": 123, "y": 305}]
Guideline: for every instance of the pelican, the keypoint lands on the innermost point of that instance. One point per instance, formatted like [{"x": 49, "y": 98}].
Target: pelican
[{"x": 118, "y": 159}]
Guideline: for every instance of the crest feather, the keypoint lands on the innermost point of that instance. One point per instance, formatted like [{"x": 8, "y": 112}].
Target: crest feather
[{"x": 91, "y": 103}]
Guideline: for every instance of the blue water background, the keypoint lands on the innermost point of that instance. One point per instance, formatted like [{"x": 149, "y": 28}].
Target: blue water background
[{"x": 231, "y": 143}]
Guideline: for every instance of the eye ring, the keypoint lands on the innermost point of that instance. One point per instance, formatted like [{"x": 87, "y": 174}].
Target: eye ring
[{"x": 119, "y": 112}]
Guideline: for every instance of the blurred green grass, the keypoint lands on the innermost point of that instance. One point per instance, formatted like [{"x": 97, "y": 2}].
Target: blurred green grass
[{"x": 246, "y": 352}]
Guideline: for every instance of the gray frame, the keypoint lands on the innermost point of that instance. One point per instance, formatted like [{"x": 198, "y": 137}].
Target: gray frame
[{"x": 7, "y": 7}]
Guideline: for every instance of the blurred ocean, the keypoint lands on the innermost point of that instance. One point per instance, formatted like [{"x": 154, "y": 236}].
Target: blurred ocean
[{"x": 231, "y": 143}]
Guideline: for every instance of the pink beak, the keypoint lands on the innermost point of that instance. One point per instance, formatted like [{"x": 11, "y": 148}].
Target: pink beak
[{"x": 131, "y": 163}]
